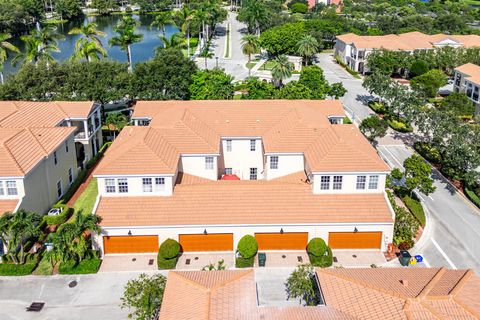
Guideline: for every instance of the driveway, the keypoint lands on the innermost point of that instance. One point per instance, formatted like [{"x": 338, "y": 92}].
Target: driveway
[{"x": 95, "y": 297}]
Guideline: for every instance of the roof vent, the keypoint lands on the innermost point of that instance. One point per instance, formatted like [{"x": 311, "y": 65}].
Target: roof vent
[
  {"x": 404, "y": 282},
  {"x": 227, "y": 121},
  {"x": 258, "y": 120}
]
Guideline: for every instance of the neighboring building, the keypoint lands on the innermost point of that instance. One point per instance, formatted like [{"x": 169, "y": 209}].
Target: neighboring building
[
  {"x": 300, "y": 176},
  {"x": 467, "y": 80},
  {"x": 337, "y": 3},
  {"x": 353, "y": 50},
  {"x": 361, "y": 294},
  {"x": 42, "y": 146}
]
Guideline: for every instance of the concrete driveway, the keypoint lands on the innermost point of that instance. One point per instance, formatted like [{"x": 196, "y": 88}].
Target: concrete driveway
[{"x": 95, "y": 297}]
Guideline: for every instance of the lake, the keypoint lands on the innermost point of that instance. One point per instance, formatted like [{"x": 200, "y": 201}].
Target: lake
[{"x": 141, "y": 51}]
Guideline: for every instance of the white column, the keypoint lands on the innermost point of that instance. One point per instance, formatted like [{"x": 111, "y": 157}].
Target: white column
[{"x": 85, "y": 127}]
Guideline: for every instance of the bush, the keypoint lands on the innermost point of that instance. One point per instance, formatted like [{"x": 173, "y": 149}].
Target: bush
[
  {"x": 166, "y": 263},
  {"x": 324, "y": 261},
  {"x": 317, "y": 247},
  {"x": 86, "y": 266},
  {"x": 473, "y": 196},
  {"x": 416, "y": 208},
  {"x": 299, "y": 8},
  {"x": 247, "y": 246},
  {"x": 9, "y": 269},
  {"x": 168, "y": 254},
  {"x": 377, "y": 107},
  {"x": 244, "y": 262},
  {"x": 61, "y": 218},
  {"x": 399, "y": 124},
  {"x": 428, "y": 151}
]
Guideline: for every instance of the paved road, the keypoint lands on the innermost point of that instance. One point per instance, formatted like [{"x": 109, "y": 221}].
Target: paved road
[{"x": 452, "y": 235}]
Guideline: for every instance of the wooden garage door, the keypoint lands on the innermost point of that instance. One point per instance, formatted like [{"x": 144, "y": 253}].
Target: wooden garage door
[
  {"x": 130, "y": 244},
  {"x": 355, "y": 240},
  {"x": 207, "y": 242},
  {"x": 282, "y": 241}
]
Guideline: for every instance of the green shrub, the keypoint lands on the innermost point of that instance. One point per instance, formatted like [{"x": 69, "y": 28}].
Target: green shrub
[
  {"x": 169, "y": 249},
  {"x": 74, "y": 186},
  {"x": 9, "y": 269},
  {"x": 244, "y": 263},
  {"x": 377, "y": 107},
  {"x": 324, "y": 261},
  {"x": 86, "y": 266},
  {"x": 428, "y": 151},
  {"x": 61, "y": 218},
  {"x": 347, "y": 120},
  {"x": 416, "y": 208},
  {"x": 473, "y": 196},
  {"x": 299, "y": 8},
  {"x": 399, "y": 124},
  {"x": 317, "y": 247},
  {"x": 166, "y": 263},
  {"x": 247, "y": 246}
]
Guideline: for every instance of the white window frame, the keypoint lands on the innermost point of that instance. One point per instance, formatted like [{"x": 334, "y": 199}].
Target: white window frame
[
  {"x": 324, "y": 182},
  {"x": 66, "y": 147},
  {"x": 361, "y": 185},
  {"x": 229, "y": 145},
  {"x": 274, "y": 163},
  {"x": 110, "y": 186},
  {"x": 55, "y": 159},
  {"x": 209, "y": 163},
  {"x": 70, "y": 176},
  {"x": 11, "y": 190},
  {"x": 253, "y": 145},
  {"x": 228, "y": 171},
  {"x": 59, "y": 190},
  {"x": 2, "y": 192},
  {"x": 337, "y": 183},
  {"x": 122, "y": 185},
  {"x": 373, "y": 185},
  {"x": 253, "y": 174},
  {"x": 147, "y": 185},
  {"x": 159, "y": 184}
]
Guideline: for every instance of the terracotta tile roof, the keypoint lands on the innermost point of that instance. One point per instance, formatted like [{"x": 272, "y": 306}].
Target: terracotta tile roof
[
  {"x": 407, "y": 41},
  {"x": 472, "y": 72},
  {"x": 22, "y": 149},
  {"x": 8, "y": 205},
  {"x": 285, "y": 200},
  {"x": 348, "y": 293},
  {"x": 196, "y": 127}
]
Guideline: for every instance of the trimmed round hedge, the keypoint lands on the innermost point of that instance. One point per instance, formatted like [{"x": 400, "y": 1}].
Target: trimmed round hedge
[
  {"x": 169, "y": 249},
  {"x": 317, "y": 247},
  {"x": 247, "y": 246},
  {"x": 319, "y": 253}
]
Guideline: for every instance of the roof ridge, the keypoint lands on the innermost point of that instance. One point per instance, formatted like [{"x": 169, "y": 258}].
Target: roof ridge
[
  {"x": 162, "y": 138},
  {"x": 39, "y": 143},
  {"x": 461, "y": 282},
  {"x": 10, "y": 152},
  {"x": 431, "y": 284},
  {"x": 241, "y": 274},
  {"x": 61, "y": 109},
  {"x": 188, "y": 112}
]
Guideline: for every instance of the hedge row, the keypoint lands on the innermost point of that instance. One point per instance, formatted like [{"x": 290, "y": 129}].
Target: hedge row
[
  {"x": 10, "y": 269},
  {"x": 473, "y": 196},
  {"x": 244, "y": 262},
  {"x": 61, "y": 218},
  {"x": 428, "y": 151},
  {"x": 74, "y": 187},
  {"x": 86, "y": 266},
  {"x": 399, "y": 124},
  {"x": 416, "y": 208},
  {"x": 349, "y": 70}
]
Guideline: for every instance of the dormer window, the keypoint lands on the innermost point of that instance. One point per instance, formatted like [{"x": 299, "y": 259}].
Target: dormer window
[{"x": 208, "y": 163}]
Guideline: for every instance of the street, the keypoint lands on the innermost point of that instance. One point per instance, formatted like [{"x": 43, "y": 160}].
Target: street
[{"x": 451, "y": 237}]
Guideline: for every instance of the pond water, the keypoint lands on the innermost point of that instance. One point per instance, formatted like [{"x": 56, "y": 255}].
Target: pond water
[{"x": 141, "y": 51}]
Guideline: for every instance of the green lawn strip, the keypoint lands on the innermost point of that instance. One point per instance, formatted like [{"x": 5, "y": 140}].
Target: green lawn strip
[
  {"x": 86, "y": 266},
  {"x": 87, "y": 199},
  {"x": 44, "y": 268},
  {"x": 416, "y": 208},
  {"x": 473, "y": 197}
]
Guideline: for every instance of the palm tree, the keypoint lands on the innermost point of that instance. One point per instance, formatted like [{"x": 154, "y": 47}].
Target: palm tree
[
  {"x": 89, "y": 31},
  {"x": 254, "y": 13},
  {"x": 250, "y": 45},
  {"x": 5, "y": 46},
  {"x": 201, "y": 17},
  {"x": 281, "y": 69},
  {"x": 162, "y": 20},
  {"x": 48, "y": 35},
  {"x": 184, "y": 19},
  {"x": 126, "y": 37},
  {"x": 174, "y": 41},
  {"x": 88, "y": 50},
  {"x": 307, "y": 47},
  {"x": 35, "y": 51},
  {"x": 15, "y": 229}
]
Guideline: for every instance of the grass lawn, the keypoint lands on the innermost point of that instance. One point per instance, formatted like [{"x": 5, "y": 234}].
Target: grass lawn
[
  {"x": 44, "y": 268},
  {"x": 472, "y": 2},
  {"x": 86, "y": 201}
]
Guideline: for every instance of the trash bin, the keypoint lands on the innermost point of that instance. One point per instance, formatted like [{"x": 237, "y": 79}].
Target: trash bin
[
  {"x": 262, "y": 258},
  {"x": 419, "y": 258},
  {"x": 404, "y": 258}
]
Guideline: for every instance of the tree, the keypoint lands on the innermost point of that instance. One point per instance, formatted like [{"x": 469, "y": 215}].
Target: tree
[
  {"x": 250, "y": 45},
  {"x": 302, "y": 285},
  {"x": 162, "y": 20},
  {"x": 386, "y": 62},
  {"x": 89, "y": 31},
  {"x": 104, "y": 7},
  {"x": 282, "y": 69},
  {"x": 312, "y": 77},
  {"x": 337, "y": 90},
  {"x": 417, "y": 175},
  {"x": 116, "y": 121},
  {"x": 293, "y": 91},
  {"x": 307, "y": 47},
  {"x": 255, "y": 14},
  {"x": 184, "y": 18},
  {"x": 88, "y": 50},
  {"x": 15, "y": 229},
  {"x": 282, "y": 39},
  {"x": 68, "y": 9},
  {"x": 126, "y": 37},
  {"x": 458, "y": 104},
  {"x": 258, "y": 89},
  {"x": 418, "y": 67},
  {"x": 35, "y": 51},
  {"x": 175, "y": 41},
  {"x": 373, "y": 127},
  {"x": 299, "y": 8},
  {"x": 428, "y": 83},
  {"x": 5, "y": 47},
  {"x": 212, "y": 84},
  {"x": 144, "y": 296}
]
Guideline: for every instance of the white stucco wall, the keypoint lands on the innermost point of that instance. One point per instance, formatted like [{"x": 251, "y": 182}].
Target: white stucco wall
[
  {"x": 287, "y": 164},
  {"x": 349, "y": 183},
  {"x": 135, "y": 186},
  {"x": 241, "y": 159},
  {"x": 195, "y": 165}
]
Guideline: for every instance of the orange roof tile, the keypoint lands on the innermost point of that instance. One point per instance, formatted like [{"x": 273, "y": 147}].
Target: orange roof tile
[
  {"x": 472, "y": 72},
  {"x": 8, "y": 205},
  {"x": 348, "y": 294},
  {"x": 205, "y": 202},
  {"x": 196, "y": 127}
]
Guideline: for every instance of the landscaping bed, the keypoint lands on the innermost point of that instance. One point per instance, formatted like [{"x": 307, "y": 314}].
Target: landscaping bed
[
  {"x": 473, "y": 196},
  {"x": 86, "y": 266},
  {"x": 7, "y": 268},
  {"x": 399, "y": 124}
]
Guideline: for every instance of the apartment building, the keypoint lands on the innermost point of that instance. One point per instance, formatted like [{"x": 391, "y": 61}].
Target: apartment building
[
  {"x": 42, "y": 147},
  {"x": 353, "y": 49},
  {"x": 207, "y": 173},
  {"x": 467, "y": 80}
]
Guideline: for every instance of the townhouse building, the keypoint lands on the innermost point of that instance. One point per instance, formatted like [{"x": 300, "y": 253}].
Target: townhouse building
[
  {"x": 353, "y": 49},
  {"x": 43, "y": 145},
  {"x": 467, "y": 80},
  {"x": 207, "y": 173}
]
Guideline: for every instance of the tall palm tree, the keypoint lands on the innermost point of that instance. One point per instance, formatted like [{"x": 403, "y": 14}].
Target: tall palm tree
[
  {"x": 281, "y": 69},
  {"x": 254, "y": 13},
  {"x": 5, "y": 47},
  {"x": 35, "y": 51},
  {"x": 307, "y": 47},
  {"x": 201, "y": 17},
  {"x": 174, "y": 41},
  {"x": 184, "y": 18},
  {"x": 88, "y": 46},
  {"x": 250, "y": 45},
  {"x": 89, "y": 31},
  {"x": 162, "y": 20},
  {"x": 126, "y": 37}
]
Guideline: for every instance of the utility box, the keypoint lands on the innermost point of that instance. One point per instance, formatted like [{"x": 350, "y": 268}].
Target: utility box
[{"x": 404, "y": 258}]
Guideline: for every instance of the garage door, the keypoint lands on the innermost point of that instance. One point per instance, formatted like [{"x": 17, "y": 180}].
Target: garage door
[
  {"x": 282, "y": 241},
  {"x": 206, "y": 242},
  {"x": 130, "y": 244},
  {"x": 355, "y": 240}
]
